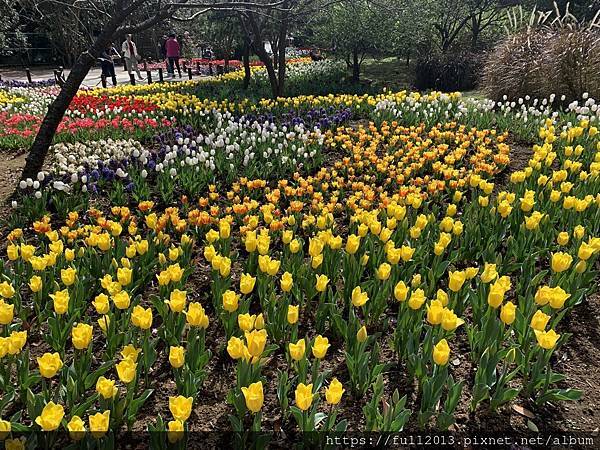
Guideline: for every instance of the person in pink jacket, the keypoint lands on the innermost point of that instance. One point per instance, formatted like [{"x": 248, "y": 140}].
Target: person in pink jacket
[{"x": 173, "y": 51}]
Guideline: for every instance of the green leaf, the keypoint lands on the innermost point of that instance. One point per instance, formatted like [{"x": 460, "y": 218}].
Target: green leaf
[
  {"x": 92, "y": 378},
  {"x": 137, "y": 403}
]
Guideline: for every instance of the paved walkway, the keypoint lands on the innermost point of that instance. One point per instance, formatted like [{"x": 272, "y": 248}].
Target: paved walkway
[{"x": 91, "y": 80}]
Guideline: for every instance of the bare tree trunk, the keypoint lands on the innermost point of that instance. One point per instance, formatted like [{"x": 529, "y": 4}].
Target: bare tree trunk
[
  {"x": 355, "y": 66},
  {"x": 258, "y": 45},
  {"x": 246, "y": 58},
  {"x": 56, "y": 110},
  {"x": 281, "y": 42},
  {"x": 475, "y": 32}
]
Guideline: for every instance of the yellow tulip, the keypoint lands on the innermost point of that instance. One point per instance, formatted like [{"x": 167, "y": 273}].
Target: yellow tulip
[
  {"x": 76, "y": 428},
  {"x": 196, "y": 316},
  {"x": 230, "y": 301},
  {"x": 35, "y": 283},
  {"x": 450, "y": 321},
  {"x": 130, "y": 352},
  {"x": 49, "y": 364},
  {"x": 175, "y": 431},
  {"x": 442, "y": 297},
  {"x": 547, "y": 339},
  {"x": 177, "y": 300},
  {"x": 235, "y": 347},
  {"x": 180, "y": 407},
  {"x": 81, "y": 335},
  {"x": 287, "y": 281},
  {"x": 441, "y": 353},
  {"x": 254, "y": 396},
  {"x": 320, "y": 346},
  {"x": 352, "y": 244},
  {"x": 255, "y": 341},
  {"x": 293, "y": 314},
  {"x": 297, "y": 350},
  {"x": 6, "y": 312},
  {"x": 99, "y": 423},
  {"x": 176, "y": 356},
  {"x": 322, "y": 281},
  {"x": 61, "y": 301},
  {"x": 457, "y": 279},
  {"x": 400, "y": 291},
  {"x": 141, "y": 317},
  {"x": 496, "y": 295},
  {"x": 435, "y": 311},
  {"x": 333, "y": 394},
  {"x": 304, "y": 396},
  {"x": 5, "y": 428},
  {"x": 124, "y": 275},
  {"x": 361, "y": 334},
  {"x": 246, "y": 322},
  {"x": 126, "y": 370},
  {"x": 561, "y": 261},
  {"x": 359, "y": 297},
  {"x": 508, "y": 313},
  {"x": 259, "y": 323},
  {"x": 489, "y": 273},
  {"x": 51, "y": 416},
  {"x": 121, "y": 300},
  {"x": 383, "y": 271},
  {"x": 68, "y": 276},
  {"x": 416, "y": 300},
  {"x": 247, "y": 283},
  {"x": 101, "y": 304},
  {"x": 539, "y": 320},
  {"x": 104, "y": 323},
  {"x": 106, "y": 388}
]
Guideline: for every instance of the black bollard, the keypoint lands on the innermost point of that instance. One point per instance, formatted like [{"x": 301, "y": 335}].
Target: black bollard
[
  {"x": 28, "y": 73},
  {"x": 210, "y": 69},
  {"x": 160, "y": 75},
  {"x": 132, "y": 79},
  {"x": 189, "y": 71},
  {"x": 149, "y": 76}
]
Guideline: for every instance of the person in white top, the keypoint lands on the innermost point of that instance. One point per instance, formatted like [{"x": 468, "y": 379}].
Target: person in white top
[{"x": 131, "y": 56}]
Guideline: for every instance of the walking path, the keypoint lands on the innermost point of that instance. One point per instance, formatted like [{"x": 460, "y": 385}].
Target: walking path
[{"x": 91, "y": 80}]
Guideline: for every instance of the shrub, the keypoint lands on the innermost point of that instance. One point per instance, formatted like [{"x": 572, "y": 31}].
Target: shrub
[
  {"x": 543, "y": 61},
  {"x": 447, "y": 72}
]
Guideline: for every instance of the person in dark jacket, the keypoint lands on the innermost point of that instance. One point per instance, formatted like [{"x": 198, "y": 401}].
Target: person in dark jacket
[{"x": 107, "y": 64}]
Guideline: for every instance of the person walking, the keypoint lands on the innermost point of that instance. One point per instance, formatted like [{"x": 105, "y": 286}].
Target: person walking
[
  {"x": 131, "y": 56},
  {"x": 173, "y": 51},
  {"x": 107, "y": 64}
]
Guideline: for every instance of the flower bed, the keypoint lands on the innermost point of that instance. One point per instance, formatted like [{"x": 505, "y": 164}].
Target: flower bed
[{"x": 290, "y": 271}]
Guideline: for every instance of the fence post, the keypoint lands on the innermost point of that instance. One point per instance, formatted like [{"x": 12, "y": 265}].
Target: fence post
[
  {"x": 132, "y": 79},
  {"x": 149, "y": 76},
  {"x": 189, "y": 71},
  {"x": 160, "y": 75},
  {"x": 198, "y": 67},
  {"x": 28, "y": 74},
  {"x": 210, "y": 69}
]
